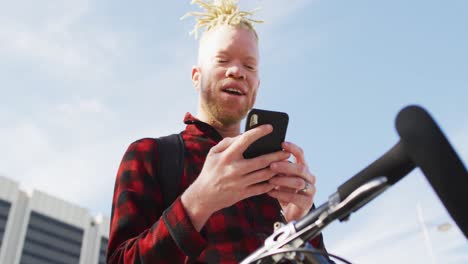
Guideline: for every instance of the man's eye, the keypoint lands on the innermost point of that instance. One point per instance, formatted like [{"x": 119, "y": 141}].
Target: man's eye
[
  {"x": 250, "y": 67},
  {"x": 221, "y": 60}
]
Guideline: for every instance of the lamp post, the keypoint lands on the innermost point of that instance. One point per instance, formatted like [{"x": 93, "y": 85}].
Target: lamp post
[{"x": 425, "y": 233}]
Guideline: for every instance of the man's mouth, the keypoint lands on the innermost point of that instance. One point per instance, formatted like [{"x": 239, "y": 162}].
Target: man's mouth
[{"x": 233, "y": 91}]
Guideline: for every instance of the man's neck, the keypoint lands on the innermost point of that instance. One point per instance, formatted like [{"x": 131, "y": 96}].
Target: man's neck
[
  {"x": 225, "y": 130},
  {"x": 228, "y": 131}
]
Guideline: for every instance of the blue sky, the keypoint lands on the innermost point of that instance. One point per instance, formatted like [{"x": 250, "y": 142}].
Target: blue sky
[{"x": 82, "y": 79}]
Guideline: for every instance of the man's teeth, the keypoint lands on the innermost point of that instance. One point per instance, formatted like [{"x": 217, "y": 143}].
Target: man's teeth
[{"x": 233, "y": 90}]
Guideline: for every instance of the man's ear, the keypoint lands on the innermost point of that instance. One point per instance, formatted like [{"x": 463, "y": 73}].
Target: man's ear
[{"x": 196, "y": 75}]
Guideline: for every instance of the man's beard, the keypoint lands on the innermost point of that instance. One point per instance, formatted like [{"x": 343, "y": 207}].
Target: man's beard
[
  {"x": 221, "y": 114},
  {"x": 218, "y": 112}
]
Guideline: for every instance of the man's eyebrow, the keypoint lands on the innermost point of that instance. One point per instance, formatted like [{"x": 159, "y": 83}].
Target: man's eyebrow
[
  {"x": 222, "y": 53},
  {"x": 250, "y": 59}
]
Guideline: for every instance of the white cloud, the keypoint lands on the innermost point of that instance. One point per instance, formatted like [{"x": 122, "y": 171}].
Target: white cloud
[
  {"x": 53, "y": 14},
  {"x": 72, "y": 149},
  {"x": 65, "y": 151},
  {"x": 86, "y": 106},
  {"x": 275, "y": 11},
  {"x": 57, "y": 53},
  {"x": 51, "y": 36}
]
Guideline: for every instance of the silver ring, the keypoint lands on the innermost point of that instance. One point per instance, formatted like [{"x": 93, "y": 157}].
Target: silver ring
[{"x": 306, "y": 187}]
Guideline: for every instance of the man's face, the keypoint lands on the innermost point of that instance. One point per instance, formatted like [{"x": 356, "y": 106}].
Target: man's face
[{"x": 227, "y": 74}]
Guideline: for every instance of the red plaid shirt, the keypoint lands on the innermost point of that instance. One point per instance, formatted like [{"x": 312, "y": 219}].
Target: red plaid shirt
[{"x": 143, "y": 231}]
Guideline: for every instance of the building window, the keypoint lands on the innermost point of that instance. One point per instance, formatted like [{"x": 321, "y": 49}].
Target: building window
[{"x": 49, "y": 240}]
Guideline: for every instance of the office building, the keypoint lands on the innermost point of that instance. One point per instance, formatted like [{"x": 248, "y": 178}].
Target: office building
[{"x": 37, "y": 228}]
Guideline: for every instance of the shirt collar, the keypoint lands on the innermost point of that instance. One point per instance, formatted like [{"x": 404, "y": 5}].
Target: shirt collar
[{"x": 197, "y": 127}]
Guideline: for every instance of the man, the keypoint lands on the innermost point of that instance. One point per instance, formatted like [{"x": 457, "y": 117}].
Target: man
[{"x": 227, "y": 204}]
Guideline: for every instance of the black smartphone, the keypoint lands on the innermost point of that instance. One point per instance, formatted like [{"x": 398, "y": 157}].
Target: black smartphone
[{"x": 271, "y": 142}]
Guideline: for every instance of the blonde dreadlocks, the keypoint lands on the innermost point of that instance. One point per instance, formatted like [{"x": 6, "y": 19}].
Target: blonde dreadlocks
[{"x": 221, "y": 12}]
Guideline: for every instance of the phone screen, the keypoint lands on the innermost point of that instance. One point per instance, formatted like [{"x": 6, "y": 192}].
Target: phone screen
[{"x": 271, "y": 142}]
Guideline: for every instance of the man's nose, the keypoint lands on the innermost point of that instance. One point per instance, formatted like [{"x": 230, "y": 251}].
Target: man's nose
[{"x": 235, "y": 71}]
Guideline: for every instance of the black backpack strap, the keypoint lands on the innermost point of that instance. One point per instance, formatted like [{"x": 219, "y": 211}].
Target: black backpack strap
[{"x": 170, "y": 165}]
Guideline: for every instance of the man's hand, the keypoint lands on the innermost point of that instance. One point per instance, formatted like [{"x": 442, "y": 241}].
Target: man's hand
[
  {"x": 227, "y": 177},
  {"x": 295, "y": 185}
]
